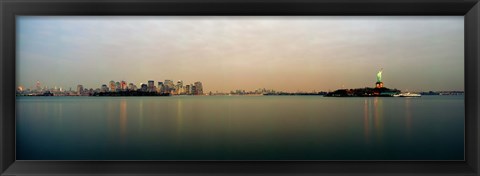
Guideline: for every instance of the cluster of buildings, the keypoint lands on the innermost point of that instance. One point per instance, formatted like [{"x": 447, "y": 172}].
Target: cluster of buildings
[
  {"x": 259, "y": 91},
  {"x": 443, "y": 93},
  {"x": 38, "y": 89},
  {"x": 167, "y": 87}
]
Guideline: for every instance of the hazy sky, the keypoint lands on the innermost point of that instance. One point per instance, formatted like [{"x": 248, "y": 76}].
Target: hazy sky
[{"x": 228, "y": 53}]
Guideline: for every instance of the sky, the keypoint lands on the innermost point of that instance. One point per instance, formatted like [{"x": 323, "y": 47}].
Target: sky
[{"x": 297, "y": 53}]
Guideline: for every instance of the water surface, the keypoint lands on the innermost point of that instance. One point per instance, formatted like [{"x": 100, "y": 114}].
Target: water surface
[{"x": 240, "y": 128}]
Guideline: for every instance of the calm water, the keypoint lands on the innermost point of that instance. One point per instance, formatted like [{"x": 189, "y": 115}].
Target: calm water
[{"x": 240, "y": 128}]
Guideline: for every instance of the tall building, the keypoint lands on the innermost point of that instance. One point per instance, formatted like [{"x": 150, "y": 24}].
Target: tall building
[
  {"x": 118, "y": 86},
  {"x": 144, "y": 88},
  {"x": 80, "y": 89},
  {"x": 198, "y": 88},
  {"x": 104, "y": 88},
  {"x": 112, "y": 86},
  {"x": 179, "y": 87},
  {"x": 20, "y": 89},
  {"x": 188, "y": 89},
  {"x": 132, "y": 87},
  {"x": 193, "y": 89},
  {"x": 151, "y": 86},
  {"x": 123, "y": 85},
  {"x": 160, "y": 87},
  {"x": 168, "y": 85},
  {"x": 38, "y": 86}
]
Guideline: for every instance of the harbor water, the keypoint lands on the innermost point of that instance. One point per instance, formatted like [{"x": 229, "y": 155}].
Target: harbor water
[{"x": 240, "y": 128}]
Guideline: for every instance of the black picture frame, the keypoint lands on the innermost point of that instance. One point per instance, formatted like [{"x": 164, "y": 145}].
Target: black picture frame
[{"x": 9, "y": 9}]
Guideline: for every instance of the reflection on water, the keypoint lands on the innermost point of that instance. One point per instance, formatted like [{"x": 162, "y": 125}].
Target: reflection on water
[
  {"x": 179, "y": 121},
  {"x": 179, "y": 117},
  {"x": 408, "y": 117},
  {"x": 366, "y": 121},
  {"x": 378, "y": 117},
  {"x": 240, "y": 128},
  {"x": 123, "y": 118},
  {"x": 373, "y": 111},
  {"x": 140, "y": 115}
]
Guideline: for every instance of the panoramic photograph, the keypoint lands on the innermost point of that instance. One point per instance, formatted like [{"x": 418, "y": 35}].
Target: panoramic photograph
[{"x": 240, "y": 88}]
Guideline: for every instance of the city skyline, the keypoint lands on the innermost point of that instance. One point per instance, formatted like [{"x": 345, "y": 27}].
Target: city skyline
[
  {"x": 165, "y": 87},
  {"x": 229, "y": 53},
  {"x": 169, "y": 87}
]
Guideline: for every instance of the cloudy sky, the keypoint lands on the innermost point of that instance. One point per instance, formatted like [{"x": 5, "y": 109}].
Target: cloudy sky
[{"x": 228, "y": 53}]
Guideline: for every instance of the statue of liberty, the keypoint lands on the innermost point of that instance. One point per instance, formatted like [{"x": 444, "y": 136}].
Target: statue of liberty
[
  {"x": 379, "y": 83},
  {"x": 379, "y": 75}
]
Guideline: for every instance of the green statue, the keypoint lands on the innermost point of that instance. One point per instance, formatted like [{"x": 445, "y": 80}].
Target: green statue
[{"x": 379, "y": 76}]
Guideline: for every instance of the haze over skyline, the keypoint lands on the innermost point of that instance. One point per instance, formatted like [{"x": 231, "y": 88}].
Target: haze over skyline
[{"x": 228, "y": 53}]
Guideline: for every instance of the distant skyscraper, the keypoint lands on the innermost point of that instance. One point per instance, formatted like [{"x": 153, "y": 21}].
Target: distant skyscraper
[
  {"x": 188, "y": 89},
  {"x": 38, "y": 86},
  {"x": 123, "y": 85},
  {"x": 20, "y": 88},
  {"x": 144, "y": 88},
  {"x": 118, "y": 86},
  {"x": 112, "y": 86},
  {"x": 104, "y": 88},
  {"x": 151, "y": 86},
  {"x": 193, "y": 89},
  {"x": 160, "y": 87},
  {"x": 80, "y": 89},
  {"x": 198, "y": 88},
  {"x": 132, "y": 87},
  {"x": 168, "y": 85},
  {"x": 179, "y": 87}
]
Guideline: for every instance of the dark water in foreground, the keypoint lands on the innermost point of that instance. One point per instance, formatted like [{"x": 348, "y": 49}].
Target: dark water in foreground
[{"x": 240, "y": 128}]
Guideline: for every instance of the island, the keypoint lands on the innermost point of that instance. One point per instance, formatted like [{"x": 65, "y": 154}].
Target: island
[{"x": 378, "y": 91}]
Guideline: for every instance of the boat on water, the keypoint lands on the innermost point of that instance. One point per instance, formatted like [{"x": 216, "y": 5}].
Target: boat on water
[{"x": 408, "y": 94}]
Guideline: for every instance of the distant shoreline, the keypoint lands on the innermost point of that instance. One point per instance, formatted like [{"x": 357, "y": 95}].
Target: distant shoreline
[{"x": 257, "y": 95}]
